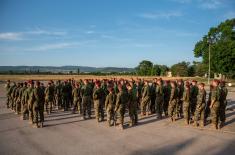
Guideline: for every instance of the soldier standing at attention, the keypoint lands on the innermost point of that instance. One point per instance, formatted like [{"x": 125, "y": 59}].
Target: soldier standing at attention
[
  {"x": 159, "y": 98},
  {"x": 179, "y": 108},
  {"x": 215, "y": 104},
  {"x": 145, "y": 104},
  {"x": 172, "y": 101},
  {"x": 86, "y": 93},
  {"x": 132, "y": 104},
  {"x": 121, "y": 106},
  {"x": 7, "y": 87},
  {"x": 207, "y": 110},
  {"x": 30, "y": 100},
  {"x": 38, "y": 108},
  {"x": 200, "y": 107},
  {"x": 49, "y": 91},
  {"x": 223, "y": 103},
  {"x": 110, "y": 105},
  {"x": 76, "y": 98},
  {"x": 186, "y": 104},
  {"x": 58, "y": 94},
  {"x": 193, "y": 96},
  {"x": 166, "y": 92},
  {"x": 98, "y": 96},
  {"x": 65, "y": 96}
]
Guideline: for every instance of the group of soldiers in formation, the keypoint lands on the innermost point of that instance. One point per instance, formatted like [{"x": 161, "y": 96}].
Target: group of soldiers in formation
[{"x": 174, "y": 99}]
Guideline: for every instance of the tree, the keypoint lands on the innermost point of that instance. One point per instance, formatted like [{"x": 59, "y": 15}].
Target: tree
[
  {"x": 144, "y": 68},
  {"x": 222, "y": 42},
  {"x": 180, "y": 69},
  {"x": 156, "y": 70}
]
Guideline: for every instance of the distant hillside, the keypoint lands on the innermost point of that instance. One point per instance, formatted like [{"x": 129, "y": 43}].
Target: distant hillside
[{"x": 62, "y": 69}]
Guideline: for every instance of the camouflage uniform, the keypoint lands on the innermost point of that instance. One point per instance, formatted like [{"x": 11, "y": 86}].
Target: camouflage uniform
[
  {"x": 193, "y": 98},
  {"x": 200, "y": 108},
  {"x": 207, "y": 110},
  {"x": 152, "y": 98},
  {"x": 145, "y": 103},
  {"x": 58, "y": 95},
  {"x": 29, "y": 100},
  {"x": 49, "y": 98},
  {"x": 38, "y": 106},
  {"x": 179, "y": 108},
  {"x": 166, "y": 92},
  {"x": 159, "y": 100},
  {"x": 186, "y": 105},
  {"x": 65, "y": 96},
  {"x": 76, "y": 100},
  {"x": 223, "y": 104},
  {"x": 98, "y": 95},
  {"x": 18, "y": 99},
  {"x": 215, "y": 105},
  {"x": 109, "y": 106},
  {"x": 24, "y": 107},
  {"x": 172, "y": 103},
  {"x": 86, "y": 100},
  {"x": 121, "y": 107},
  {"x": 133, "y": 106}
]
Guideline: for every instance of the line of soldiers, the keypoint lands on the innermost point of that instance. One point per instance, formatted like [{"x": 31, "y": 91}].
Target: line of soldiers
[{"x": 176, "y": 99}]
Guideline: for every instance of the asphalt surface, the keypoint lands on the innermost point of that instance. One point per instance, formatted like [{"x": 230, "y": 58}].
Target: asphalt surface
[{"x": 65, "y": 133}]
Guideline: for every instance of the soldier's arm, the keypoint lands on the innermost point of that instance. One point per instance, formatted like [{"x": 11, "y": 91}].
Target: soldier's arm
[
  {"x": 117, "y": 102},
  {"x": 106, "y": 102}
]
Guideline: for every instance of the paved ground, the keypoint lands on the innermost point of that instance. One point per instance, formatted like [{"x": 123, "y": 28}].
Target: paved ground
[{"x": 66, "y": 133}]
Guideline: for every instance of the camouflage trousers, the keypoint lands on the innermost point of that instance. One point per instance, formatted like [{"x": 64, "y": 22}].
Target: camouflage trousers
[
  {"x": 145, "y": 105},
  {"x": 179, "y": 108},
  {"x": 133, "y": 113},
  {"x": 215, "y": 113},
  {"x": 193, "y": 104},
  {"x": 77, "y": 106},
  {"x": 165, "y": 106},
  {"x": 48, "y": 105},
  {"x": 110, "y": 115},
  {"x": 30, "y": 109},
  {"x": 171, "y": 109},
  {"x": 120, "y": 115},
  {"x": 8, "y": 101},
  {"x": 222, "y": 110},
  {"x": 18, "y": 106},
  {"x": 200, "y": 112},
  {"x": 65, "y": 103},
  {"x": 24, "y": 109},
  {"x": 207, "y": 110},
  {"x": 99, "y": 109},
  {"x": 159, "y": 106},
  {"x": 186, "y": 111},
  {"x": 86, "y": 104},
  {"x": 38, "y": 109}
]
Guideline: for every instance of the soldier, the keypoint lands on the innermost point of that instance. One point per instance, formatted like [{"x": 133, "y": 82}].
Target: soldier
[
  {"x": 98, "y": 95},
  {"x": 110, "y": 105},
  {"x": 18, "y": 98},
  {"x": 24, "y": 104},
  {"x": 7, "y": 87},
  {"x": 58, "y": 94},
  {"x": 132, "y": 104},
  {"x": 29, "y": 99},
  {"x": 193, "y": 96},
  {"x": 120, "y": 106},
  {"x": 215, "y": 104},
  {"x": 172, "y": 101},
  {"x": 159, "y": 98},
  {"x": 13, "y": 89},
  {"x": 186, "y": 104},
  {"x": 179, "y": 109},
  {"x": 86, "y": 93},
  {"x": 166, "y": 92},
  {"x": 77, "y": 99},
  {"x": 200, "y": 107},
  {"x": 207, "y": 110},
  {"x": 65, "y": 96},
  {"x": 145, "y": 104},
  {"x": 223, "y": 103},
  {"x": 38, "y": 106},
  {"x": 152, "y": 97},
  {"x": 49, "y": 91}
]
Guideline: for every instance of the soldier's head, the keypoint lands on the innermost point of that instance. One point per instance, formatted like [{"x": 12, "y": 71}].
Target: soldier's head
[
  {"x": 120, "y": 87},
  {"x": 215, "y": 83},
  {"x": 37, "y": 84},
  {"x": 97, "y": 84},
  {"x": 128, "y": 86},
  {"x": 25, "y": 84},
  {"x": 201, "y": 86},
  {"x": 8, "y": 81},
  {"x": 159, "y": 81},
  {"x": 31, "y": 83},
  {"x": 222, "y": 83},
  {"x": 110, "y": 89},
  {"x": 49, "y": 83},
  {"x": 194, "y": 82},
  {"x": 146, "y": 82},
  {"x": 173, "y": 84},
  {"x": 77, "y": 85}
]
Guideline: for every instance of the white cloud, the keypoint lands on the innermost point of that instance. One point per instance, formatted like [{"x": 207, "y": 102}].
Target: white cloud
[
  {"x": 45, "y": 32},
  {"x": 89, "y": 32},
  {"x": 53, "y": 46},
  {"x": 210, "y": 4},
  {"x": 161, "y": 15},
  {"x": 11, "y": 36}
]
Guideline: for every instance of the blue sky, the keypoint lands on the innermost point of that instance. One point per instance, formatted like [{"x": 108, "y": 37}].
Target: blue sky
[{"x": 101, "y": 33}]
